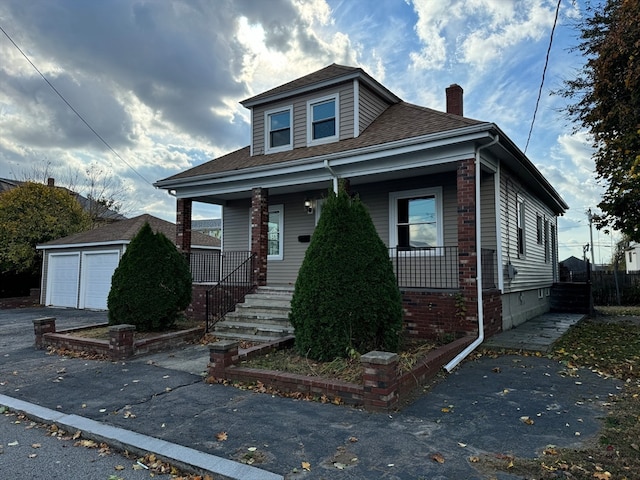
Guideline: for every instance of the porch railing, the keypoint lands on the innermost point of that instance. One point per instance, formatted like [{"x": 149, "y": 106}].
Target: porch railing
[
  {"x": 489, "y": 269},
  {"x": 236, "y": 271},
  {"x": 427, "y": 267}
]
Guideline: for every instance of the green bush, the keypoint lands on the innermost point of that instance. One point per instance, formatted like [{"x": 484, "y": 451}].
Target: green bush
[
  {"x": 152, "y": 284},
  {"x": 346, "y": 299}
]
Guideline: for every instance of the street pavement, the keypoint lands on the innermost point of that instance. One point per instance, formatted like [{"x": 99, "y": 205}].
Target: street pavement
[{"x": 508, "y": 405}]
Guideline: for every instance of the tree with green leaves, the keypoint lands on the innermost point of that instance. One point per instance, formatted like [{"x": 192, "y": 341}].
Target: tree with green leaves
[
  {"x": 31, "y": 214},
  {"x": 346, "y": 298},
  {"x": 152, "y": 285},
  {"x": 607, "y": 103}
]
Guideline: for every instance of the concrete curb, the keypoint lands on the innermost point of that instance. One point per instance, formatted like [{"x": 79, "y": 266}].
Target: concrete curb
[{"x": 182, "y": 457}]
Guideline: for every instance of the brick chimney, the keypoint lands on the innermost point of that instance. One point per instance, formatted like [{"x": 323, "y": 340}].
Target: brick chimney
[
  {"x": 454, "y": 99},
  {"x": 51, "y": 182}
]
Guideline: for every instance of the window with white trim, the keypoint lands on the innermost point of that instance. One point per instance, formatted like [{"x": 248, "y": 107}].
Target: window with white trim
[
  {"x": 278, "y": 133},
  {"x": 323, "y": 120},
  {"x": 415, "y": 219},
  {"x": 275, "y": 235}
]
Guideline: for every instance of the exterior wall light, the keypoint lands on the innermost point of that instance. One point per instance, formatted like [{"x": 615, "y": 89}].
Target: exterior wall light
[{"x": 308, "y": 205}]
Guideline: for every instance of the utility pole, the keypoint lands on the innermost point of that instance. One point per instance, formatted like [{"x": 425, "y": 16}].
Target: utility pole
[{"x": 590, "y": 217}]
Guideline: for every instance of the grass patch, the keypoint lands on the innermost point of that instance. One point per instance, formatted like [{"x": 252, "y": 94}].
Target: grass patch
[
  {"x": 610, "y": 348},
  {"x": 345, "y": 369}
]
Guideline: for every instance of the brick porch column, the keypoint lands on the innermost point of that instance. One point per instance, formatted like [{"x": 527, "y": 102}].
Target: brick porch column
[
  {"x": 380, "y": 380},
  {"x": 467, "y": 258},
  {"x": 260, "y": 233},
  {"x": 42, "y": 326},
  {"x": 184, "y": 208}
]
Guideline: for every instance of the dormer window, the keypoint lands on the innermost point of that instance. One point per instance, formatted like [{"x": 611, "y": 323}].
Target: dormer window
[
  {"x": 278, "y": 130},
  {"x": 322, "y": 114}
]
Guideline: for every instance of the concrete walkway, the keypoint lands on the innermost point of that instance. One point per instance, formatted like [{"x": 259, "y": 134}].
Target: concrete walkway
[{"x": 535, "y": 335}]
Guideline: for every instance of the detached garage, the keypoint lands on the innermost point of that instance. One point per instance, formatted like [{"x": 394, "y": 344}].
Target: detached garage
[{"x": 77, "y": 270}]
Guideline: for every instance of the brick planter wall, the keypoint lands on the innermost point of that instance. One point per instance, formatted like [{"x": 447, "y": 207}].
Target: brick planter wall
[
  {"x": 121, "y": 343},
  {"x": 382, "y": 389}
]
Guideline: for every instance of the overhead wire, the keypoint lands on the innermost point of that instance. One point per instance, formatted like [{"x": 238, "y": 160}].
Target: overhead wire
[
  {"x": 74, "y": 110},
  {"x": 544, "y": 72}
]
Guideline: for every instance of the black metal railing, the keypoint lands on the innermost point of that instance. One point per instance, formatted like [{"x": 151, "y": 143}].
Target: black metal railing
[
  {"x": 427, "y": 267},
  {"x": 206, "y": 266},
  {"x": 236, "y": 270},
  {"x": 489, "y": 270}
]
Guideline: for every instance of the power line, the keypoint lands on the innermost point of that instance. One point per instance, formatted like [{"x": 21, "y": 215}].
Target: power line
[
  {"x": 73, "y": 109},
  {"x": 544, "y": 71}
]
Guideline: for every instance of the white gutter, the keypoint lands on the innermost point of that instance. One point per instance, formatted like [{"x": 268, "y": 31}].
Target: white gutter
[
  {"x": 470, "y": 348},
  {"x": 333, "y": 174}
]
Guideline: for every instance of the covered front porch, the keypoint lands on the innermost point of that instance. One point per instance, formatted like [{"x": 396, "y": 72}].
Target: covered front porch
[{"x": 438, "y": 283}]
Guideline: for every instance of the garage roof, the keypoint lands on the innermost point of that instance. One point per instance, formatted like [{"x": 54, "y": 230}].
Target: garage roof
[{"x": 124, "y": 230}]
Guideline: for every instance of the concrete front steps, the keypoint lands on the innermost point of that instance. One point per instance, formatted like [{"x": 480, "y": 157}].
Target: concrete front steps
[{"x": 263, "y": 317}]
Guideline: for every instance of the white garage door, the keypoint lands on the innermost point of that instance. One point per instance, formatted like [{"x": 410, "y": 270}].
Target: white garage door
[
  {"x": 95, "y": 279},
  {"x": 62, "y": 280}
]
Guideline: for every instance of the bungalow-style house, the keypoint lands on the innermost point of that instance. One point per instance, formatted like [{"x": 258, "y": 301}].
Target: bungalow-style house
[
  {"x": 469, "y": 221},
  {"x": 77, "y": 269}
]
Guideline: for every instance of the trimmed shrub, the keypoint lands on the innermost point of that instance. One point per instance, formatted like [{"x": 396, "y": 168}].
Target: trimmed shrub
[
  {"x": 346, "y": 298},
  {"x": 151, "y": 285}
]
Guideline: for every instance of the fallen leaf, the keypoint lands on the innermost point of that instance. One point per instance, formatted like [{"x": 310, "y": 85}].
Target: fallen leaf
[
  {"x": 76, "y": 435},
  {"x": 306, "y": 466},
  {"x": 445, "y": 410},
  {"x": 252, "y": 449},
  {"x": 437, "y": 457},
  {"x": 474, "y": 459},
  {"x": 462, "y": 445},
  {"x": 35, "y": 445},
  {"x": 33, "y": 455},
  {"x": 13, "y": 444},
  {"x": 221, "y": 436},
  {"x": 353, "y": 439},
  {"x": 602, "y": 475},
  {"x": 119, "y": 467},
  {"x": 526, "y": 420}
]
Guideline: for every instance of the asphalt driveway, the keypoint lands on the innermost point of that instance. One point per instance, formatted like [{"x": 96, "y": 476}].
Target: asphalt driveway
[{"x": 489, "y": 406}]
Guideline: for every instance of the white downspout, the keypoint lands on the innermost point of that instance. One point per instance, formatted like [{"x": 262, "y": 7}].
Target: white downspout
[
  {"x": 470, "y": 348},
  {"x": 333, "y": 174}
]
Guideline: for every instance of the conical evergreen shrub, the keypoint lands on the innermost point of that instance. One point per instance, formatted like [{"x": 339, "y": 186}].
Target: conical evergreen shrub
[
  {"x": 151, "y": 286},
  {"x": 346, "y": 298}
]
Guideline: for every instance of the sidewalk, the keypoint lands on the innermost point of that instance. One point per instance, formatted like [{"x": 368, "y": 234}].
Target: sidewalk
[{"x": 476, "y": 410}]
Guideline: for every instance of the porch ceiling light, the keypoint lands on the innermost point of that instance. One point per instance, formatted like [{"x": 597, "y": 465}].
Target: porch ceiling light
[{"x": 308, "y": 205}]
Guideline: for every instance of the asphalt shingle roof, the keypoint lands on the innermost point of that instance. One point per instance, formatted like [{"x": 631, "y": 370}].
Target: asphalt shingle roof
[{"x": 125, "y": 230}]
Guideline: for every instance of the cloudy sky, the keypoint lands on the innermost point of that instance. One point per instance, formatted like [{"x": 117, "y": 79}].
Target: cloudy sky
[{"x": 161, "y": 81}]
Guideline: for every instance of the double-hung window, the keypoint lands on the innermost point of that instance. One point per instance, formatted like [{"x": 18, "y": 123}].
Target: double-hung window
[
  {"x": 278, "y": 131},
  {"x": 415, "y": 219},
  {"x": 323, "y": 120}
]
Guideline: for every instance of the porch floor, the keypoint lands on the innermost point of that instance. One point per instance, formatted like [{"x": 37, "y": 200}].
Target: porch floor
[{"x": 535, "y": 335}]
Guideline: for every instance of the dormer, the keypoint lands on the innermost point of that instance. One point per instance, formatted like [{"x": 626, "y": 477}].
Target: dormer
[{"x": 332, "y": 104}]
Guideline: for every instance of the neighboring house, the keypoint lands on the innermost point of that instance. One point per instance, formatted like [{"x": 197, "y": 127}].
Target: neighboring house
[
  {"x": 211, "y": 227},
  {"x": 77, "y": 270},
  {"x": 470, "y": 222},
  {"x": 632, "y": 257},
  {"x": 100, "y": 214}
]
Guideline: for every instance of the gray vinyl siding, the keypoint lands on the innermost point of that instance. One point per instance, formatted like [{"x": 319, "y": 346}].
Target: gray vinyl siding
[
  {"x": 371, "y": 106},
  {"x": 533, "y": 271},
  {"x": 488, "y": 227},
  {"x": 236, "y": 218},
  {"x": 345, "y": 92}
]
